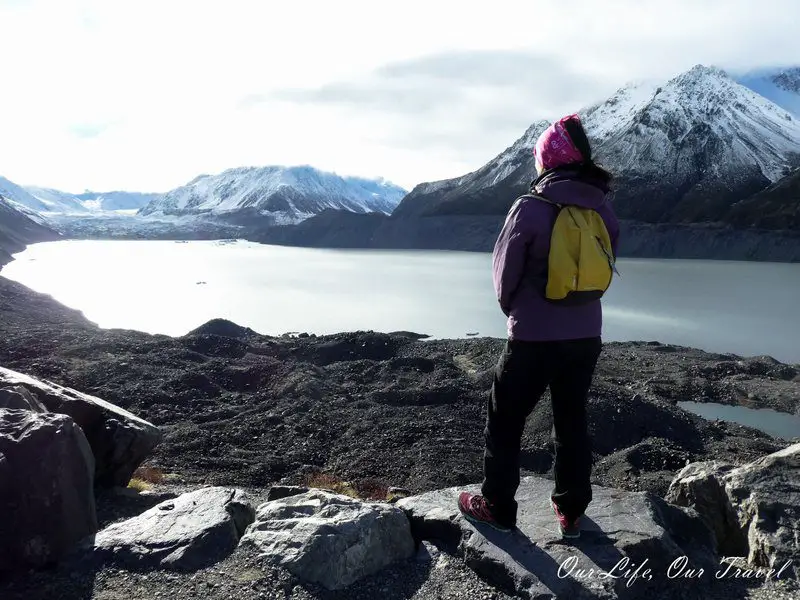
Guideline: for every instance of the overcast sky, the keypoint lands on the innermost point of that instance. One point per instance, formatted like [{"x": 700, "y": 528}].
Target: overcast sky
[{"x": 145, "y": 95}]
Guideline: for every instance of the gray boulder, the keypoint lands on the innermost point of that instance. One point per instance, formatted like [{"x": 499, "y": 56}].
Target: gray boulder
[
  {"x": 629, "y": 542},
  {"x": 330, "y": 539},
  {"x": 758, "y": 513},
  {"x": 189, "y": 532},
  {"x": 700, "y": 486},
  {"x": 766, "y": 496},
  {"x": 46, "y": 488},
  {"x": 20, "y": 398},
  {"x": 120, "y": 441}
]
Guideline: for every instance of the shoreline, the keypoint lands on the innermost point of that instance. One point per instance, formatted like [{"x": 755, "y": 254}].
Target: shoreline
[
  {"x": 760, "y": 334},
  {"x": 468, "y": 233}
]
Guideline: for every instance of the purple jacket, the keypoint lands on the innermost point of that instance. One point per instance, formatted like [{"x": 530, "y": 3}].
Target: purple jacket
[{"x": 523, "y": 247}]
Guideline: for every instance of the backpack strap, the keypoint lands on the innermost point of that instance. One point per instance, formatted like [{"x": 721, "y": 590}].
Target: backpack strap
[{"x": 542, "y": 199}]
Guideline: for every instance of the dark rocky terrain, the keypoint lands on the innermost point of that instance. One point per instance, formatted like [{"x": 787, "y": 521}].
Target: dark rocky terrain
[
  {"x": 777, "y": 207},
  {"x": 240, "y": 408}
]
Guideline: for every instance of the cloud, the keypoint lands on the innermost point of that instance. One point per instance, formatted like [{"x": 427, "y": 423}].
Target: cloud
[
  {"x": 460, "y": 102},
  {"x": 414, "y": 91},
  {"x": 89, "y": 130},
  {"x": 423, "y": 85}
]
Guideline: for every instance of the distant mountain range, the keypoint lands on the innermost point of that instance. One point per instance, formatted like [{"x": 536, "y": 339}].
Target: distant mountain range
[
  {"x": 281, "y": 194},
  {"x": 703, "y": 148},
  {"x": 47, "y": 201},
  {"x": 693, "y": 157},
  {"x": 263, "y": 195},
  {"x": 16, "y": 193}
]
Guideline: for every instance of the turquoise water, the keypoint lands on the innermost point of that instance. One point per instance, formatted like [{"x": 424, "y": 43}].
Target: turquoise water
[{"x": 154, "y": 286}]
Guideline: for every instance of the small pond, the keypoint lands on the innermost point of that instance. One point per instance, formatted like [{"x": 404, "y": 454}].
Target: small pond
[{"x": 776, "y": 424}]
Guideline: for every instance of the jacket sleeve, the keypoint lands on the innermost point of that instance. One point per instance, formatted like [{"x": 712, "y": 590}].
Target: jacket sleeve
[{"x": 509, "y": 256}]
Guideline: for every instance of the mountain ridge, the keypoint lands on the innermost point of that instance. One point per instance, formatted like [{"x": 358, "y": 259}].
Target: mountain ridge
[
  {"x": 18, "y": 229},
  {"x": 781, "y": 86}
]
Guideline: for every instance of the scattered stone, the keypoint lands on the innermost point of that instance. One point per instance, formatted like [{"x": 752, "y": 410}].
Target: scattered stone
[
  {"x": 330, "y": 539},
  {"x": 20, "y": 398},
  {"x": 624, "y": 532},
  {"x": 189, "y": 532},
  {"x": 46, "y": 488},
  {"x": 119, "y": 440},
  {"x": 279, "y": 492}
]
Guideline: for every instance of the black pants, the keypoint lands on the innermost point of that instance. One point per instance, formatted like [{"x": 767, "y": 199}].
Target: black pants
[{"x": 523, "y": 374}]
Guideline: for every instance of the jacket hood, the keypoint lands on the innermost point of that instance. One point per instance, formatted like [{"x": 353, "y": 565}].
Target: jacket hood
[{"x": 562, "y": 188}]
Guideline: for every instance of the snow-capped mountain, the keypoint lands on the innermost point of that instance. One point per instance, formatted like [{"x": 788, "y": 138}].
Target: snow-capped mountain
[
  {"x": 18, "y": 195},
  {"x": 782, "y": 86},
  {"x": 56, "y": 201},
  {"x": 684, "y": 150},
  {"x": 279, "y": 194},
  {"x": 474, "y": 192},
  {"x": 18, "y": 229}
]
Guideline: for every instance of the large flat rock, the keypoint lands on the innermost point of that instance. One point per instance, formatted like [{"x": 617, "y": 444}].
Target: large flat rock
[
  {"x": 628, "y": 543},
  {"x": 46, "y": 488},
  {"x": 330, "y": 539},
  {"x": 189, "y": 532},
  {"x": 120, "y": 441}
]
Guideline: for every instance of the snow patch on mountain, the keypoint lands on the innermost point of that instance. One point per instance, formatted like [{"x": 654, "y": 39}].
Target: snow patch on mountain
[
  {"x": 509, "y": 160},
  {"x": 116, "y": 201},
  {"x": 57, "y": 201},
  {"x": 620, "y": 109},
  {"x": 702, "y": 110},
  {"x": 17, "y": 194}
]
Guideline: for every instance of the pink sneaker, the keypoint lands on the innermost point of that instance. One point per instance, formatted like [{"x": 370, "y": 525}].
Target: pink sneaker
[
  {"x": 476, "y": 510},
  {"x": 569, "y": 529}
]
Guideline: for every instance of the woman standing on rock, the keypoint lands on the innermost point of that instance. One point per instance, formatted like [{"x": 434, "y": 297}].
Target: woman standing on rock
[{"x": 553, "y": 260}]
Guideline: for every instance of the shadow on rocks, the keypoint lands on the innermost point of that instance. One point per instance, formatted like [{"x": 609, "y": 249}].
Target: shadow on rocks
[
  {"x": 121, "y": 504},
  {"x": 401, "y": 581},
  {"x": 536, "y": 562},
  {"x": 73, "y": 579}
]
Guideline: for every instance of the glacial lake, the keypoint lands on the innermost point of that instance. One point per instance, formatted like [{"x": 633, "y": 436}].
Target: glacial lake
[{"x": 172, "y": 287}]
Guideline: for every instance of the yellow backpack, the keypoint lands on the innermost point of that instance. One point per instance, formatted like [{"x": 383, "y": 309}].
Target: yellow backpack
[{"x": 581, "y": 261}]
